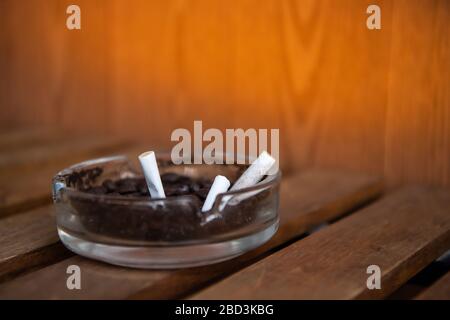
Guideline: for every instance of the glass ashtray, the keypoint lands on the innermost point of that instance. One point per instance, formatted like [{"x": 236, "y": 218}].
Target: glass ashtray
[{"x": 161, "y": 233}]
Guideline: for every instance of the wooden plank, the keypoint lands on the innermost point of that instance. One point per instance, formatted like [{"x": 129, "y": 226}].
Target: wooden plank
[
  {"x": 17, "y": 139},
  {"x": 307, "y": 200},
  {"x": 401, "y": 233},
  {"x": 417, "y": 141},
  {"x": 26, "y": 192},
  {"x": 25, "y": 189},
  {"x": 37, "y": 156},
  {"x": 327, "y": 90},
  {"x": 29, "y": 240},
  {"x": 440, "y": 290}
]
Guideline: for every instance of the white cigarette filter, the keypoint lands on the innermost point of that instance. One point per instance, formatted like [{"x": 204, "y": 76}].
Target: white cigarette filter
[
  {"x": 151, "y": 174},
  {"x": 257, "y": 170},
  {"x": 220, "y": 185}
]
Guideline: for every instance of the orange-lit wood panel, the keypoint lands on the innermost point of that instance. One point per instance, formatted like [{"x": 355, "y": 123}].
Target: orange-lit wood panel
[{"x": 343, "y": 96}]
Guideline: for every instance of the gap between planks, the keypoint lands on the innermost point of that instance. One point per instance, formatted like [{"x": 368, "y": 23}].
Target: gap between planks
[{"x": 440, "y": 290}]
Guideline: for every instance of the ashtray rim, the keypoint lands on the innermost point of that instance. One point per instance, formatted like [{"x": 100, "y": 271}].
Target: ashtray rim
[{"x": 268, "y": 182}]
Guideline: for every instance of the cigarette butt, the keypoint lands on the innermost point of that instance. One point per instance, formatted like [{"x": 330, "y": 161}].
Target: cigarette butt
[
  {"x": 220, "y": 185},
  {"x": 151, "y": 174},
  {"x": 257, "y": 170}
]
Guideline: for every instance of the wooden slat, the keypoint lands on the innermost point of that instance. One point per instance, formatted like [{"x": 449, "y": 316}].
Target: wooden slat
[
  {"x": 17, "y": 139},
  {"x": 22, "y": 190},
  {"x": 36, "y": 156},
  {"x": 401, "y": 233},
  {"x": 307, "y": 200},
  {"x": 28, "y": 191},
  {"x": 440, "y": 290},
  {"x": 29, "y": 240}
]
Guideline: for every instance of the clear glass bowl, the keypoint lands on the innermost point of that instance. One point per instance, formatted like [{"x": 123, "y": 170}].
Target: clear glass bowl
[{"x": 161, "y": 233}]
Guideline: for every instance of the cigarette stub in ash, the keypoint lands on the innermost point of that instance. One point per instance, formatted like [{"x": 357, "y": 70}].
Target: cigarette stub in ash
[
  {"x": 151, "y": 174},
  {"x": 257, "y": 170},
  {"x": 220, "y": 185}
]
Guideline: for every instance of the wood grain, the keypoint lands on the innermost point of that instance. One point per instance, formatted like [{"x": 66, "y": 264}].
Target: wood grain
[
  {"x": 307, "y": 200},
  {"x": 401, "y": 233},
  {"x": 29, "y": 240},
  {"x": 328, "y": 83},
  {"x": 418, "y": 117},
  {"x": 52, "y": 76},
  {"x": 440, "y": 290},
  {"x": 343, "y": 96}
]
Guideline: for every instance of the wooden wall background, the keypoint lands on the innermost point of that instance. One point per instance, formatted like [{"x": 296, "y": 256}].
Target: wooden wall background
[{"x": 343, "y": 96}]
